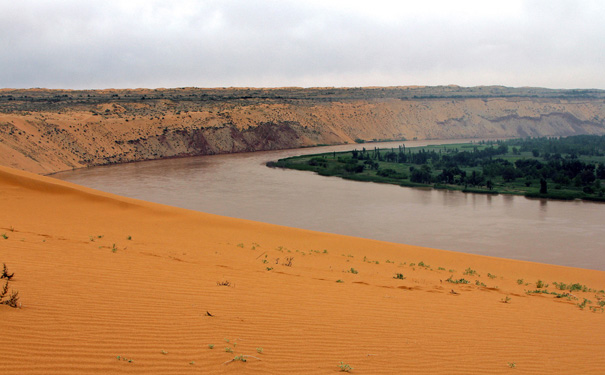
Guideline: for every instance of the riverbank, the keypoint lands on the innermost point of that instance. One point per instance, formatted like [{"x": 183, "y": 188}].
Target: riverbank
[
  {"x": 516, "y": 167},
  {"x": 110, "y": 285},
  {"x": 46, "y": 131}
]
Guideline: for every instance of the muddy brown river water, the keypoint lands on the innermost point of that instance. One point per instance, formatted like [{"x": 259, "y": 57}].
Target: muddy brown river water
[{"x": 240, "y": 185}]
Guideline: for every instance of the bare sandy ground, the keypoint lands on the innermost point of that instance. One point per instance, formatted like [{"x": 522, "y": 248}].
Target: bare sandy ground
[{"x": 110, "y": 285}]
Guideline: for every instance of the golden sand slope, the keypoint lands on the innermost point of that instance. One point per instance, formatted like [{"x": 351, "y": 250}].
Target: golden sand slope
[{"x": 143, "y": 307}]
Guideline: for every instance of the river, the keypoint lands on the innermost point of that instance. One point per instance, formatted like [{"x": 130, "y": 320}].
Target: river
[{"x": 240, "y": 185}]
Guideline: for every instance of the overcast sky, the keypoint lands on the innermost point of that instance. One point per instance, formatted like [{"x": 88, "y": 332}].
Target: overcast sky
[{"x": 83, "y": 44}]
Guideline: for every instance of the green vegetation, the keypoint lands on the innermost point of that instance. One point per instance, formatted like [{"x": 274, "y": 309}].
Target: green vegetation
[
  {"x": 345, "y": 367},
  {"x": 457, "y": 281},
  {"x": 399, "y": 276},
  {"x": 469, "y": 271},
  {"x": 557, "y": 168}
]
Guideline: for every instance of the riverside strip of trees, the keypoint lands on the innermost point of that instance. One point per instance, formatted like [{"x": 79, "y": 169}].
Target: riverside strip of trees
[{"x": 560, "y": 168}]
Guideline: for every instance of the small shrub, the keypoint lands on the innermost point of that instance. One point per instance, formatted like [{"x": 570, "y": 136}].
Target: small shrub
[
  {"x": 520, "y": 281},
  {"x": 339, "y": 281},
  {"x": 491, "y": 276},
  {"x": 441, "y": 269},
  {"x": 345, "y": 367},
  {"x": 5, "y": 274},
  {"x": 129, "y": 238},
  {"x": 353, "y": 271},
  {"x": 539, "y": 284},
  {"x": 259, "y": 350},
  {"x": 210, "y": 346},
  {"x": 228, "y": 350},
  {"x": 512, "y": 364},
  {"x": 269, "y": 268},
  {"x": 288, "y": 262},
  {"x": 469, "y": 271},
  {"x": 457, "y": 281},
  {"x": 399, "y": 276},
  {"x": 4, "y": 236},
  {"x": 223, "y": 283},
  {"x": 506, "y": 299}
]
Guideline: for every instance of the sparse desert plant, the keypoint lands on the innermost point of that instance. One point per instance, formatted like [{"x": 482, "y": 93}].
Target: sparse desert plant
[
  {"x": 353, "y": 271},
  {"x": 5, "y": 273},
  {"x": 512, "y": 364},
  {"x": 269, "y": 268},
  {"x": 539, "y": 284},
  {"x": 399, "y": 276},
  {"x": 288, "y": 262},
  {"x": 240, "y": 245},
  {"x": 506, "y": 299},
  {"x": 223, "y": 283},
  {"x": 114, "y": 248},
  {"x": 457, "y": 281},
  {"x": 210, "y": 346},
  {"x": 228, "y": 350},
  {"x": 345, "y": 367},
  {"x": 469, "y": 271},
  {"x": 13, "y": 297},
  {"x": 259, "y": 350},
  {"x": 422, "y": 264},
  {"x": 478, "y": 283},
  {"x": 440, "y": 269},
  {"x": 339, "y": 281},
  {"x": 583, "y": 304},
  {"x": 520, "y": 281},
  {"x": 491, "y": 276},
  {"x": 129, "y": 238}
]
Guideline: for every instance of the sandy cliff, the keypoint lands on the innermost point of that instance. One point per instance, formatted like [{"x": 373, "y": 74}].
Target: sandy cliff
[{"x": 45, "y": 131}]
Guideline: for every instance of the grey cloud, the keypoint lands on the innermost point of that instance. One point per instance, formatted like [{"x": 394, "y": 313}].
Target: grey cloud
[{"x": 75, "y": 44}]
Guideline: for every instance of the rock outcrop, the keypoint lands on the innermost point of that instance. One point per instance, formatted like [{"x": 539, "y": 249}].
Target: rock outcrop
[{"x": 46, "y": 131}]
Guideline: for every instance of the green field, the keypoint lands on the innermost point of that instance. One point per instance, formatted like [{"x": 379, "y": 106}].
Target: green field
[{"x": 556, "y": 168}]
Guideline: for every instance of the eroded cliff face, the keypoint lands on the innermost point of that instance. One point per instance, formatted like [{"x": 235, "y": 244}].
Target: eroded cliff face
[{"x": 46, "y": 131}]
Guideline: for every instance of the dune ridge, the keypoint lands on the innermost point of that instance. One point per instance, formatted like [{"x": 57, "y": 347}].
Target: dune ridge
[{"x": 115, "y": 285}]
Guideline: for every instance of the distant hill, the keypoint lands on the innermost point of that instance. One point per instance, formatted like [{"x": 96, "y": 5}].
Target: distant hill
[{"x": 46, "y": 131}]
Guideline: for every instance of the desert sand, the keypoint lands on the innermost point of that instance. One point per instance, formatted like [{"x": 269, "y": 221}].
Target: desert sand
[{"x": 112, "y": 285}]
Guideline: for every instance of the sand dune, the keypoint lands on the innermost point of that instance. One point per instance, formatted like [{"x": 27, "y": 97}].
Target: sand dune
[{"x": 115, "y": 285}]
